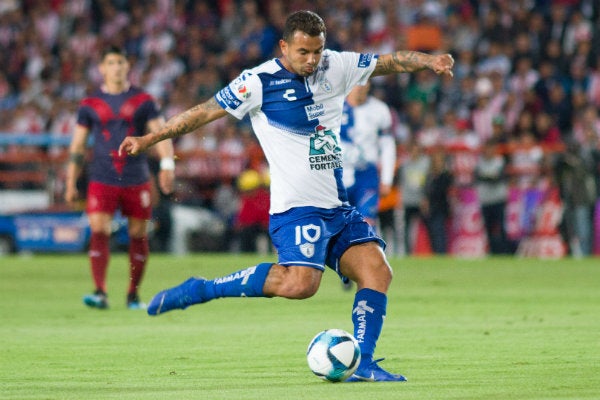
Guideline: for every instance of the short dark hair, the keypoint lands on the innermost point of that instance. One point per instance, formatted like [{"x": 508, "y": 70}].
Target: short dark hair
[
  {"x": 113, "y": 49},
  {"x": 305, "y": 21}
]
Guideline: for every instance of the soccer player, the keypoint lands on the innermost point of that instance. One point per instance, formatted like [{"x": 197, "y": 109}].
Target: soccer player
[
  {"x": 295, "y": 105},
  {"x": 369, "y": 150},
  {"x": 115, "y": 111},
  {"x": 369, "y": 153}
]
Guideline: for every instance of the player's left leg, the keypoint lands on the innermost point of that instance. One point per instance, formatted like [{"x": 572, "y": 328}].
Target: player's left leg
[
  {"x": 248, "y": 282},
  {"x": 138, "y": 257},
  {"x": 262, "y": 280},
  {"x": 301, "y": 238},
  {"x": 136, "y": 205}
]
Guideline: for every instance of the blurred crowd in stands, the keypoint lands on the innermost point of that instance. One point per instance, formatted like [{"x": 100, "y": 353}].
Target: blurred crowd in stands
[{"x": 521, "y": 113}]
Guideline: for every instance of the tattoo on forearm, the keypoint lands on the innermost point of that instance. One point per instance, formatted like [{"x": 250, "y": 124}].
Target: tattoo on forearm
[
  {"x": 188, "y": 121},
  {"x": 402, "y": 61},
  {"x": 211, "y": 105}
]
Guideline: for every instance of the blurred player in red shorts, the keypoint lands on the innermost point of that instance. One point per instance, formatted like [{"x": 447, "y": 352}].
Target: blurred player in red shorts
[{"x": 116, "y": 110}]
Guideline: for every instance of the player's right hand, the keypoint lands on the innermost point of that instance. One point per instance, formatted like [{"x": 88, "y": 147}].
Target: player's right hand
[
  {"x": 443, "y": 64},
  {"x": 131, "y": 145}
]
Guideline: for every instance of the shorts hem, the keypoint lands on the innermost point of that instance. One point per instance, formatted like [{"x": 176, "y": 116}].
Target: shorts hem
[{"x": 302, "y": 264}]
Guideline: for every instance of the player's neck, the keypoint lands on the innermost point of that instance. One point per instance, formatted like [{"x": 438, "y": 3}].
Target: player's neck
[
  {"x": 286, "y": 65},
  {"x": 115, "y": 88}
]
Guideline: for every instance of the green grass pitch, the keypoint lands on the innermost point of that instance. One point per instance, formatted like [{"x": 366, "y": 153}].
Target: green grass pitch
[{"x": 500, "y": 328}]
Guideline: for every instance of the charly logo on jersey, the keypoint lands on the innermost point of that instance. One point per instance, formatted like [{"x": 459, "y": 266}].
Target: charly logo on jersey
[
  {"x": 290, "y": 95},
  {"x": 325, "y": 152}
]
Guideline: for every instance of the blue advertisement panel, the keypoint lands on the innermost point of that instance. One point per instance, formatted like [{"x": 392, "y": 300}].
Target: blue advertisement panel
[{"x": 51, "y": 232}]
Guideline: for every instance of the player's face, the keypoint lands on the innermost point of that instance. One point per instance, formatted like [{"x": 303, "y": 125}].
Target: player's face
[
  {"x": 114, "y": 69},
  {"x": 302, "y": 53}
]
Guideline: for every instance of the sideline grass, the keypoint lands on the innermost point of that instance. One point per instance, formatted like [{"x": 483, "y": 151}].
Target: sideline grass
[{"x": 458, "y": 329}]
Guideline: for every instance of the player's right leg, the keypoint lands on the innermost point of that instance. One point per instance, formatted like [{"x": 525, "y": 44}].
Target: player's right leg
[
  {"x": 99, "y": 255},
  {"x": 136, "y": 206},
  {"x": 262, "y": 280},
  {"x": 101, "y": 205}
]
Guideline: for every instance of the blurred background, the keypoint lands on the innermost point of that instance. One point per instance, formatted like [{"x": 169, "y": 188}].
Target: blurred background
[{"x": 518, "y": 126}]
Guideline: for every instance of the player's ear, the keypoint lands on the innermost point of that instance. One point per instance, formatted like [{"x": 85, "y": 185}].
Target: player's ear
[{"x": 283, "y": 45}]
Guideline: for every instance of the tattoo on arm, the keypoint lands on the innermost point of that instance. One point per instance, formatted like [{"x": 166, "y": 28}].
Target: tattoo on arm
[
  {"x": 401, "y": 61},
  {"x": 190, "y": 120},
  {"x": 76, "y": 158},
  {"x": 211, "y": 105}
]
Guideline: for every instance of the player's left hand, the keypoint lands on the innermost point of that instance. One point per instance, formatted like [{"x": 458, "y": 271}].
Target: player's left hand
[{"x": 442, "y": 64}]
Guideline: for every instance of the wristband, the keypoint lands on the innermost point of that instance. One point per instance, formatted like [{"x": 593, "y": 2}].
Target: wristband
[
  {"x": 167, "y": 164},
  {"x": 76, "y": 158}
]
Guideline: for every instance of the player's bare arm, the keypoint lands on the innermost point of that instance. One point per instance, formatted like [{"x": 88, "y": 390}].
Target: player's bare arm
[
  {"x": 413, "y": 61},
  {"x": 164, "y": 149},
  {"x": 185, "y": 122},
  {"x": 76, "y": 159}
]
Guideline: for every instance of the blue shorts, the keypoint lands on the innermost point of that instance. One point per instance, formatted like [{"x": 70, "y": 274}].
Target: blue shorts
[
  {"x": 364, "y": 194},
  {"x": 315, "y": 237}
]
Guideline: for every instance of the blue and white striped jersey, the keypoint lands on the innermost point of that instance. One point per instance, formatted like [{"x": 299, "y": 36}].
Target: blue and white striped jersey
[{"x": 297, "y": 122}]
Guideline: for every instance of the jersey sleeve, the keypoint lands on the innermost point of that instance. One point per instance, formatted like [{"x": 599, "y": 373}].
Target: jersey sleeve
[
  {"x": 84, "y": 116},
  {"x": 242, "y": 95},
  {"x": 150, "y": 109},
  {"x": 386, "y": 120},
  {"x": 358, "y": 68}
]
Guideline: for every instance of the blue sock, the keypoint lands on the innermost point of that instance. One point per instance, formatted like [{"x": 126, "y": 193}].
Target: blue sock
[
  {"x": 248, "y": 282},
  {"x": 368, "y": 313}
]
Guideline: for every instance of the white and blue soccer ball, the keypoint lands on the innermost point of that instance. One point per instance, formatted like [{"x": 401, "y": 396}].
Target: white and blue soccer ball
[{"x": 333, "y": 355}]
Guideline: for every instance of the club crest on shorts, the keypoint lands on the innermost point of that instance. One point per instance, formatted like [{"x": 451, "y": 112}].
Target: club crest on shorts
[{"x": 307, "y": 249}]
